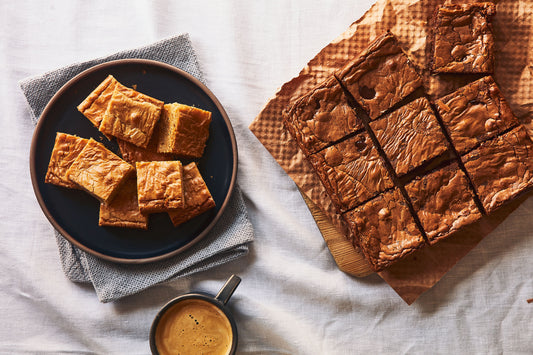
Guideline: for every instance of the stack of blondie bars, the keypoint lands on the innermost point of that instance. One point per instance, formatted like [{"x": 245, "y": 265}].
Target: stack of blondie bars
[{"x": 149, "y": 177}]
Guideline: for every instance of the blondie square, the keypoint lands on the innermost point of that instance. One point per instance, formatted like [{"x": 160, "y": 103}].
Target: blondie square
[
  {"x": 131, "y": 116},
  {"x": 501, "y": 168},
  {"x": 384, "y": 229},
  {"x": 463, "y": 40},
  {"x": 183, "y": 130},
  {"x": 197, "y": 198},
  {"x": 410, "y": 135},
  {"x": 132, "y": 153},
  {"x": 443, "y": 201},
  {"x": 381, "y": 76},
  {"x": 66, "y": 149},
  {"x": 95, "y": 105},
  {"x": 159, "y": 185},
  {"x": 123, "y": 209},
  {"x": 99, "y": 171},
  {"x": 474, "y": 113},
  {"x": 321, "y": 117},
  {"x": 351, "y": 171}
]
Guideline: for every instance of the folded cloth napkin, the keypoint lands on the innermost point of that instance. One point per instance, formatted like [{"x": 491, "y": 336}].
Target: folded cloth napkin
[{"x": 228, "y": 239}]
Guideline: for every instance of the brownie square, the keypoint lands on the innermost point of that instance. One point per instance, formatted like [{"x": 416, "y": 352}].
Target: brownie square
[
  {"x": 123, "y": 209},
  {"x": 475, "y": 113},
  {"x": 351, "y": 171},
  {"x": 321, "y": 117},
  {"x": 99, "y": 171},
  {"x": 159, "y": 185},
  {"x": 66, "y": 149},
  {"x": 183, "y": 130},
  {"x": 131, "y": 116},
  {"x": 501, "y": 168},
  {"x": 381, "y": 76},
  {"x": 384, "y": 229},
  {"x": 410, "y": 136},
  {"x": 196, "y": 195},
  {"x": 463, "y": 40},
  {"x": 443, "y": 201}
]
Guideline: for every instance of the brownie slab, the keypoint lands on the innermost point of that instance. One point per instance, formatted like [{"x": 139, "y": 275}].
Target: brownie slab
[
  {"x": 196, "y": 195},
  {"x": 475, "y": 113},
  {"x": 99, "y": 171},
  {"x": 501, "y": 168},
  {"x": 381, "y": 76},
  {"x": 351, "y": 171},
  {"x": 66, "y": 149},
  {"x": 123, "y": 209},
  {"x": 159, "y": 185},
  {"x": 443, "y": 201},
  {"x": 131, "y": 116},
  {"x": 410, "y": 135},
  {"x": 183, "y": 130},
  {"x": 463, "y": 40},
  {"x": 384, "y": 229},
  {"x": 321, "y": 117}
]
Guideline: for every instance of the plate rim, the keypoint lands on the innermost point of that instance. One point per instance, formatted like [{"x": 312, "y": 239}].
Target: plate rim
[{"x": 41, "y": 122}]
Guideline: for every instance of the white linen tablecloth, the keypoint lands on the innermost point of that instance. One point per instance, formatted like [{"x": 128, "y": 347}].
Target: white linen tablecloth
[{"x": 293, "y": 299}]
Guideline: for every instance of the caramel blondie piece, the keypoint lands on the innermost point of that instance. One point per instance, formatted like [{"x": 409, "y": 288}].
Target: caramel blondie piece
[
  {"x": 132, "y": 153},
  {"x": 99, "y": 171},
  {"x": 443, "y": 201},
  {"x": 123, "y": 209},
  {"x": 381, "y": 76},
  {"x": 384, "y": 229},
  {"x": 475, "y": 113},
  {"x": 66, "y": 149},
  {"x": 501, "y": 168},
  {"x": 183, "y": 130},
  {"x": 131, "y": 116},
  {"x": 159, "y": 185},
  {"x": 95, "y": 105},
  {"x": 321, "y": 117},
  {"x": 410, "y": 136},
  {"x": 351, "y": 171},
  {"x": 463, "y": 40},
  {"x": 197, "y": 198}
]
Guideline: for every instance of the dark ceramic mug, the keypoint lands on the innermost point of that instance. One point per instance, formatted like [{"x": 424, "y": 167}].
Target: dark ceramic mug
[{"x": 195, "y": 323}]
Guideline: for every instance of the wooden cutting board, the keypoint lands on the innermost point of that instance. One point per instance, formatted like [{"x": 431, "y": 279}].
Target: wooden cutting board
[{"x": 347, "y": 258}]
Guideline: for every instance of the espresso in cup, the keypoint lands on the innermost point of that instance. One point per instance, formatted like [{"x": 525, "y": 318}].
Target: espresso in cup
[
  {"x": 194, "y": 326},
  {"x": 196, "y": 323}
]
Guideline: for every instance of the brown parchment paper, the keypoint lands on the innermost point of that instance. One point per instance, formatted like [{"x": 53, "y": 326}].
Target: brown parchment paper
[{"x": 410, "y": 21}]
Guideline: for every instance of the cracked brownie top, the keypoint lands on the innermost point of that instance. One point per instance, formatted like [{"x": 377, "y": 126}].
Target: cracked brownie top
[
  {"x": 475, "y": 113},
  {"x": 463, "y": 41}
]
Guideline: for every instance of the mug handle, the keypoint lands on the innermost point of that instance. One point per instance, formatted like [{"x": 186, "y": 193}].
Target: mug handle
[{"x": 227, "y": 290}]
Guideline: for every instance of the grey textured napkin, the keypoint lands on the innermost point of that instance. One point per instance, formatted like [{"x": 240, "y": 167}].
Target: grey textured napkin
[{"x": 228, "y": 239}]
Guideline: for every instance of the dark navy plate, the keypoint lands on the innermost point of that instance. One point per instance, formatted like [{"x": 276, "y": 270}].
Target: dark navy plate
[{"x": 74, "y": 213}]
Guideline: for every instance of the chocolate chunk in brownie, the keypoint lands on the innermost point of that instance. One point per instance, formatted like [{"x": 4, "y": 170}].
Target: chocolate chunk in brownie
[
  {"x": 443, "y": 201},
  {"x": 475, "y": 113},
  {"x": 321, "y": 117},
  {"x": 410, "y": 136},
  {"x": 381, "y": 76},
  {"x": 384, "y": 229},
  {"x": 501, "y": 168},
  {"x": 463, "y": 40},
  {"x": 352, "y": 171}
]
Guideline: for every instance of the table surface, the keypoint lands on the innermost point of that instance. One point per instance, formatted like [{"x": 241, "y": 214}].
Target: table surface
[{"x": 293, "y": 299}]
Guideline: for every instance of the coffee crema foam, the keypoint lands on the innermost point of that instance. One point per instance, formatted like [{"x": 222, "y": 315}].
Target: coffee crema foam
[{"x": 193, "y": 326}]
